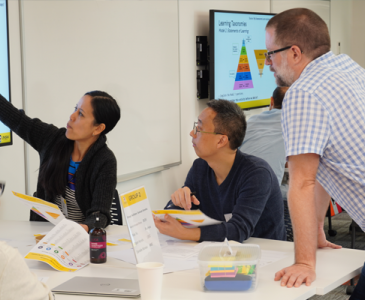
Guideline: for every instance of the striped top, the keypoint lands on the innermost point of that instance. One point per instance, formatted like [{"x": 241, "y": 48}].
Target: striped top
[
  {"x": 324, "y": 113},
  {"x": 71, "y": 210}
]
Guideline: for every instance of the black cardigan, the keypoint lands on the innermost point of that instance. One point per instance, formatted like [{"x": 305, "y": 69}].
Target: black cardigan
[{"x": 96, "y": 177}]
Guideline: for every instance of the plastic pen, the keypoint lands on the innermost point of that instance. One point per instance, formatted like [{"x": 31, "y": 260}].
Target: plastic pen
[{"x": 229, "y": 246}]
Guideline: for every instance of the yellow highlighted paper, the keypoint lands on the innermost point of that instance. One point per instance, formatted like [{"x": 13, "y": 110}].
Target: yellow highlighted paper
[
  {"x": 65, "y": 248},
  {"x": 47, "y": 210},
  {"x": 189, "y": 217},
  {"x": 35, "y": 200},
  {"x": 49, "y": 260}
]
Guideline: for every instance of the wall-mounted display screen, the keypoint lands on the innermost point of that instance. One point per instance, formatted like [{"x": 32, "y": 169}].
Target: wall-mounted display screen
[
  {"x": 5, "y": 133},
  {"x": 237, "y": 58}
]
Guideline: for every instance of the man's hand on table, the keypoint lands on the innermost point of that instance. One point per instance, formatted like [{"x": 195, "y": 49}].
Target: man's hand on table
[
  {"x": 171, "y": 227},
  {"x": 295, "y": 275},
  {"x": 322, "y": 241}
]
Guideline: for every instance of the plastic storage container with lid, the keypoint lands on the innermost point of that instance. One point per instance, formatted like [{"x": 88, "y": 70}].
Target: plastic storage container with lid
[{"x": 220, "y": 271}]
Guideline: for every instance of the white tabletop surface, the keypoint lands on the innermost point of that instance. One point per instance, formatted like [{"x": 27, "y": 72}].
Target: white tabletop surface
[{"x": 334, "y": 267}]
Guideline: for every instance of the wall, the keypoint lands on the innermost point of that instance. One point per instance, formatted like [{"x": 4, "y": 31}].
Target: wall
[
  {"x": 193, "y": 21},
  {"x": 341, "y": 14},
  {"x": 357, "y": 29}
]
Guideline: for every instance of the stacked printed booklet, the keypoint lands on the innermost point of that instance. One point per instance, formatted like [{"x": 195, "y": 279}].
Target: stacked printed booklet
[
  {"x": 187, "y": 218},
  {"x": 46, "y": 210},
  {"x": 66, "y": 246}
]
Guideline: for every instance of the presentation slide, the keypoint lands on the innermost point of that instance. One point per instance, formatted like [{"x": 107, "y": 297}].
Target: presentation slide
[
  {"x": 240, "y": 73},
  {"x": 5, "y": 135}
]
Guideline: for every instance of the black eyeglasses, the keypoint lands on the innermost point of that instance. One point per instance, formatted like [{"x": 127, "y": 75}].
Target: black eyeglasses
[
  {"x": 195, "y": 130},
  {"x": 2, "y": 187},
  {"x": 268, "y": 54}
]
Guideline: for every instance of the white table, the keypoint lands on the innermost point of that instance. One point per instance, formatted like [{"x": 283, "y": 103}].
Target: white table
[{"x": 334, "y": 267}]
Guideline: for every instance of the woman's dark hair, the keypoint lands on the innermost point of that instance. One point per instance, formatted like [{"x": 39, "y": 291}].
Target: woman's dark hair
[
  {"x": 54, "y": 169},
  {"x": 105, "y": 110}
]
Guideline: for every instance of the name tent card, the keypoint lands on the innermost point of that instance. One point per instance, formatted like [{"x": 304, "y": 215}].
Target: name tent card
[{"x": 141, "y": 226}]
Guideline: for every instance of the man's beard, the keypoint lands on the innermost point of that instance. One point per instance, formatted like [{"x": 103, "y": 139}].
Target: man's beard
[{"x": 286, "y": 76}]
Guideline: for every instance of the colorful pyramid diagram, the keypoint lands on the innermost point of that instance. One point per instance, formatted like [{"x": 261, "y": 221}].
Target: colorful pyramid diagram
[
  {"x": 38, "y": 212},
  {"x": 243, "y": 76},
  {"x": 260, "y": 59},
  {"x": 183, "y": 222}
]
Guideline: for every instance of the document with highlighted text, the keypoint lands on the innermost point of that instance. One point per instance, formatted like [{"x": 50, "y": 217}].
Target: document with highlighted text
[{"x": 65, "y": 248}]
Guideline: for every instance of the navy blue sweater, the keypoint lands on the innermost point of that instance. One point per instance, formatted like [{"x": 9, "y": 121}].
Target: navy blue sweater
[{"x": 250, "y": 193}]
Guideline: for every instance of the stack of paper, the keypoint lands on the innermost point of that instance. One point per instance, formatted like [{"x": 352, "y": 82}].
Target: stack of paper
[
  {"x": 47, "y": 210},
  {"x": 65, "y": 247},
  {"x": 187, "y": 218}
]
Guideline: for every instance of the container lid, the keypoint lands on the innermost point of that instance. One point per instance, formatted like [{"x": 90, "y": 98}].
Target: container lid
[{"x": 248, "y": 253}]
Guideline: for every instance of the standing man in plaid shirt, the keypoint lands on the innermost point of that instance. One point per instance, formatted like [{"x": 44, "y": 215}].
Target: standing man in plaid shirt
[{"x": 323, "y": 122}]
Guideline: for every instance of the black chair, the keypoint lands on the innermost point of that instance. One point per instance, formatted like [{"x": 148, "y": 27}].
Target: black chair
[
  {"x": 331, "y": 232},
  {"x": 288, "y": 224},
  {"x": 116, "y": 210},
  {"x": 351, "y": 287}
]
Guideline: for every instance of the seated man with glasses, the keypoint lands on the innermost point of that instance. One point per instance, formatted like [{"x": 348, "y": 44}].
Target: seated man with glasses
[{"x": 238, "y": 189}]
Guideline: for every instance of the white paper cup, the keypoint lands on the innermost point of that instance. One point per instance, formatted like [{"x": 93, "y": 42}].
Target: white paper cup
[{"x": 150, "y": 280}]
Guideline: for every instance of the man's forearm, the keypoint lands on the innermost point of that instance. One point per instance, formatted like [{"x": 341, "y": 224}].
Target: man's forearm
[
  {"x": 304, "y": 219},
  {"x": 322, "y": 201},
  {"x": 192, "y": 234}
]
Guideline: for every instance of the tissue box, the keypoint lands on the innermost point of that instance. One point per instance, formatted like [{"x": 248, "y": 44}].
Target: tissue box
[{"x": 220, "y": 271}]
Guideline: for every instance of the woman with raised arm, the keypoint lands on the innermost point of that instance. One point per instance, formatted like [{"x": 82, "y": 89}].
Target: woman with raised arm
[{"x": 77, "y": 169}]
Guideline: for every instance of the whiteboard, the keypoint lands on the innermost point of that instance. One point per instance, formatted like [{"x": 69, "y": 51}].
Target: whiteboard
[{"x": 126, "y": 48}]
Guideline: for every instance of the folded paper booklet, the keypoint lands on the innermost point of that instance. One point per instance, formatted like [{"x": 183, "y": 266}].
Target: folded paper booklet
[
  {"x": 47, "y": 210},
  {"x": 65, "y": 247},
  {"x": 187, "y": 218}
]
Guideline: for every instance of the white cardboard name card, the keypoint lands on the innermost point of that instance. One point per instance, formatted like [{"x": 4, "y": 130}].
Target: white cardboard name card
[{"x": 141, "y": 226}]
